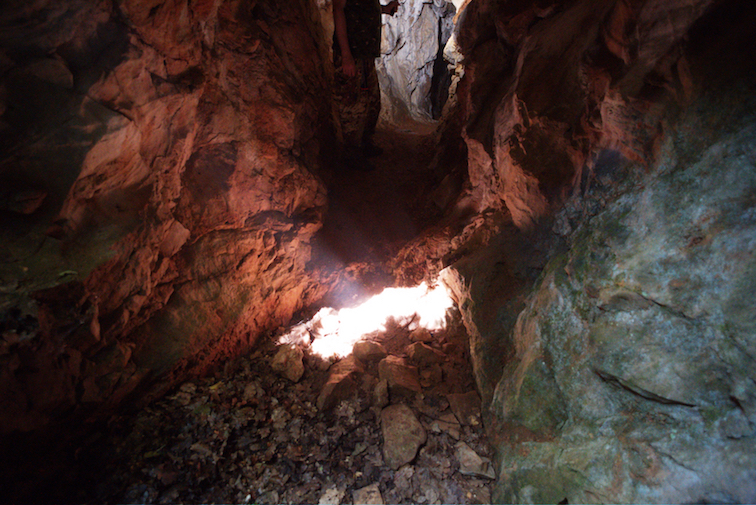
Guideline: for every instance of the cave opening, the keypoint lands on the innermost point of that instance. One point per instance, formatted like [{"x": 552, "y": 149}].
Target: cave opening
[{"x": 543, "y": 292}]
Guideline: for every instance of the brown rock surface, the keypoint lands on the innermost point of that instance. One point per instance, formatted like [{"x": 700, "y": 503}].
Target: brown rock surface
[
  {"x": 424, "y": 354},
  {"x": 342, "y": 382},
  {"x": 367, "y": 351},
  {"x": 402, "y": 435},
  {"x": 402, "y": 379},
  {"x": 288, "y": 362},
  {"x": 160, "y": 160}
]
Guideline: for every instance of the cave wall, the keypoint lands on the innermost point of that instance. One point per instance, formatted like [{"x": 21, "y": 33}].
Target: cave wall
[
  {"x": 411, "y": 70},
  {"x": 611, "y": 310},
  {"x": 159, "y": 165}
]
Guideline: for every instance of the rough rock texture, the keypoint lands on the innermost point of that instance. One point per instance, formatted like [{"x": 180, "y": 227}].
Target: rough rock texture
[
  {"x": 402, "y": 435},
  {"x": 157, "y": 162},
  {"x": 628, "y": 376},
  {"x": 547, "y": 82},
  {"x": 412, "y": 73}
]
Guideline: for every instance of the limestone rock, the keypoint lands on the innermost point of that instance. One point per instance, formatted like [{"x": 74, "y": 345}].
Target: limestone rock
[
  {"x": 421, "y": 334},
  {"x": 411, "y": 70},
  {"x": 367, "y": 351},
  {"x": 287, "y": 362},
  {"x": 174, "y": 200},
  {"x": 402, "y": 379},
  {"x": 402, "y": 435},
  {"x": 368, "y": 495},
  {"x": 343, "y": 381},
  {"x": 631, "y": 315},
  {"x": 470, "y": 463},
  {"x": 424, "y": 354}
]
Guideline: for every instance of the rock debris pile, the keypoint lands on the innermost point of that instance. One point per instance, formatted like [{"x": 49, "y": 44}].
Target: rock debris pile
[{"x": 397, "y": 421}]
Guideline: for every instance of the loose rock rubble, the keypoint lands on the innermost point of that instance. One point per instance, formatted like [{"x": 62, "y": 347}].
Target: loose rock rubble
[{"x": 282, "y": 426}]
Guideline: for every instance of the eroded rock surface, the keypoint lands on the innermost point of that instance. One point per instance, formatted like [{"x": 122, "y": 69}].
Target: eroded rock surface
[
  {"x": 162, "y": 161},
  {"x": 412, "y": 72},
  {"x": 628, "y": 376}
]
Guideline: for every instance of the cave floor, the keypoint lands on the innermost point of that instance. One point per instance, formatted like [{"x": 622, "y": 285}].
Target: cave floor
[{"x": 247, "y": 434}]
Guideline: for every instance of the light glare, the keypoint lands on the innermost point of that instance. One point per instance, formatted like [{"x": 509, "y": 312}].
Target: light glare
[{"x": 334, "y": 332}]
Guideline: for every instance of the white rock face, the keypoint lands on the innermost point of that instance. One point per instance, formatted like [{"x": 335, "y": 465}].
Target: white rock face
[{"x": 411, "y": 47}]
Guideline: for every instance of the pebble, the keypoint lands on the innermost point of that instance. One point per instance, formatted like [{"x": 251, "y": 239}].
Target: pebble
[
  {"x": 368, "y": 495},
  {"x": 470, "y": 463},
  {"x": 332, "y": 496}
]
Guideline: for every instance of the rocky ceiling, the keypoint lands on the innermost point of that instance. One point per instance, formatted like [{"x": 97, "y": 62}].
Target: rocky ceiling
[{"x": 164, "y": 168}]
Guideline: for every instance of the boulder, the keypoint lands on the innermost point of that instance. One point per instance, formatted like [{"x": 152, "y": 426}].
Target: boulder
[
  {"x": 402, "y": 435},
  {"x": 424, "y": 355},
  {"x": 367, "y": 351},
  {"x": 402, "y": 379},
  {"x": 421, "y": 334},
  {"x": 343, "y": 382}
]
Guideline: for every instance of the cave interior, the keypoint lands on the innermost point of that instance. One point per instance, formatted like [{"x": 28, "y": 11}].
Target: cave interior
[{"x": 541, "y": 292}]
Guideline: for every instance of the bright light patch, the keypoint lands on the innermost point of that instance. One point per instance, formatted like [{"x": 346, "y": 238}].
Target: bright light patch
[{"x": 334, "y": 332}]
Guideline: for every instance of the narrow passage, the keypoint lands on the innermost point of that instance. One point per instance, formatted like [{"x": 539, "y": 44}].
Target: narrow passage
[{"x": 396, "y": 421}]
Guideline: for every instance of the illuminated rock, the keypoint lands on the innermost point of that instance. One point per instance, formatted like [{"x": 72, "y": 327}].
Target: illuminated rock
[
  {"x": 368, "y": 351},
  {"x": 288, "y": 362}
]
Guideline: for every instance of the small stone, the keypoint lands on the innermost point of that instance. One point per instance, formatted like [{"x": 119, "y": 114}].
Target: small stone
[
  {"x": 402, "y": 378},
  {"x": 466, "y": 407},
  {"x": 424, "y": 354},
  {"x": 447, "y": 423},
  {"x": 368, "y": 495},
  {"x": 332, "y": 496},
  {"x": 369, "y": 351},
  {"x": 402, "y": 435},
  {"x": 421, "y": 335},
  {"x": 381, "y": 394},
  {"x": 472, "y": 464},
  {"x": 288, "y": 362},
  {"x": 342, "y": 382}
]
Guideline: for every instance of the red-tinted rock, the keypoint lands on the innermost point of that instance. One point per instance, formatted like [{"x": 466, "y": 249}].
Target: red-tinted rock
[{"x": 402, "y": 378}]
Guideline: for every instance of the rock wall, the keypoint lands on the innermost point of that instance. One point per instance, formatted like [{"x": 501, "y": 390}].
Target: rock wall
[
  {"x": 412, "y": 72},
  {"x": 158, "y": 164},
  {"x": 617, "y": 139}
]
